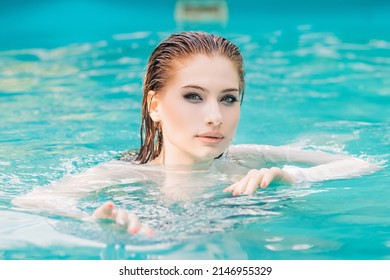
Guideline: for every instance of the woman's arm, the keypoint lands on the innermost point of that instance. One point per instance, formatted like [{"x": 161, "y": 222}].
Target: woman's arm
[
  {"x": 61, "y": 198},
  {"x": 324, "y": 166},
  {"x": 65, "y": 193}
]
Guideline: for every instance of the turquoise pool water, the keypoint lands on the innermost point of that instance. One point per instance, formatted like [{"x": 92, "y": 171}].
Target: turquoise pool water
[{"x": 317, "y": 78}]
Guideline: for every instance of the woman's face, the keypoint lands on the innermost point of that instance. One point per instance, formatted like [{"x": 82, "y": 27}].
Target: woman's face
[{"x": 199, "y": 110}]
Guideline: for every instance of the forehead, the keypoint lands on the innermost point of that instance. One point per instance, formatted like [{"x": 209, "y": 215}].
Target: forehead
[{"x": 204, "y": 69}]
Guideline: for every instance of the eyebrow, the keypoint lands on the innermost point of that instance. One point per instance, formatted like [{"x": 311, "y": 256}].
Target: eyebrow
[{"x": 203, "y": 89}]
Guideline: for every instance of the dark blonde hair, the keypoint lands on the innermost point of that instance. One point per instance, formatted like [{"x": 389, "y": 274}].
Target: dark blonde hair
[{"x": 160, "y": 66}]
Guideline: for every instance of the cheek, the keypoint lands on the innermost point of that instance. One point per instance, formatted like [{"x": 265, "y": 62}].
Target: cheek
[
  {"x": 177, "y": 114},
  {"x": 232, "y": 117}
]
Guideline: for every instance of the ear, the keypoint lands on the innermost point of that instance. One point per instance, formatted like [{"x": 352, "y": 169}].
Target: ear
[{"x": 153, "y": 105}]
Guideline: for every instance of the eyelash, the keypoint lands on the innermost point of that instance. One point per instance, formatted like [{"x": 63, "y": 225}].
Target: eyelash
[
  {"x": 196, "y": 98},
  {"x": 193, "y": 97},
  {"x": 232, "y": 98}
]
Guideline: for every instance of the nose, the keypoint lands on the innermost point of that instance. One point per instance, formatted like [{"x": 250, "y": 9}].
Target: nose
[{"x": 213, "y": 114}]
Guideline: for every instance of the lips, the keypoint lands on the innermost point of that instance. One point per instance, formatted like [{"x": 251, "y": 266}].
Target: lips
[{"x": 210, "y": 137}]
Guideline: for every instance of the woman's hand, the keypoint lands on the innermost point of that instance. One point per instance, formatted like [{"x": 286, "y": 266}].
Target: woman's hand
[
  {"x": 259, "y": 178},
  {"x": 122, "y": 217}
]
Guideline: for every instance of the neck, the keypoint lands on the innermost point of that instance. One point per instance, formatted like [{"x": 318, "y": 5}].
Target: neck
[{"x": 182, "y": 164}]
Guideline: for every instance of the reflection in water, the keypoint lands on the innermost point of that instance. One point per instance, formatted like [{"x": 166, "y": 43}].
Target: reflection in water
[{"x": 183, "y": 216}]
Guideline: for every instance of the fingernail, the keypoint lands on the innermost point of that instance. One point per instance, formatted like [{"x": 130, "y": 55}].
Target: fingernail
[
  {"x": 263, "y": 184},
  {"x": 149, "y": 233},
  {"x": 133, "y": 230},
  {"x": 108, "y": 208}
]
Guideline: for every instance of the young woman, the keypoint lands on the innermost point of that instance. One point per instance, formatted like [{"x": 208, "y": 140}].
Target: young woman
[{"x": 193, "y": 90}]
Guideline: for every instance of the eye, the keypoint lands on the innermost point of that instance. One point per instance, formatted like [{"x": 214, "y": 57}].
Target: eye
[
  {"x": 193, "y": 97},
  {"x": 229, "y": 99}
]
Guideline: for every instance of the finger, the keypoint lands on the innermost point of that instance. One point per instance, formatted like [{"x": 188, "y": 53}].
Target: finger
[
  {"x": 145, "y": 229},
  {"x": 253, "y": 183},
  {"x": 134, "y": 225},
  {"x": 267, "y": 179},
  {"x": 250, "y": 181},
  {"x": 239, "y": 189},
  {"x": 105, "y": 211},
  {"x": 122, "y": 218},
  {"x": 230, "y": 188}
]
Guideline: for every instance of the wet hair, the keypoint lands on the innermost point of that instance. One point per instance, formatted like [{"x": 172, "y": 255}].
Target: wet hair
[{"x": 178, "y": 47}]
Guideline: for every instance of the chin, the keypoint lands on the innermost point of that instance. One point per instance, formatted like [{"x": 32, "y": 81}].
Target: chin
[{"x": 210, "y": 155}]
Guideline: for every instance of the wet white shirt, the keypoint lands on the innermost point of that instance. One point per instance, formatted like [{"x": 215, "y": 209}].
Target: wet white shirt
[
  {"x": 324, "y": 166},
  {"x": 239, "y": 159}
]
